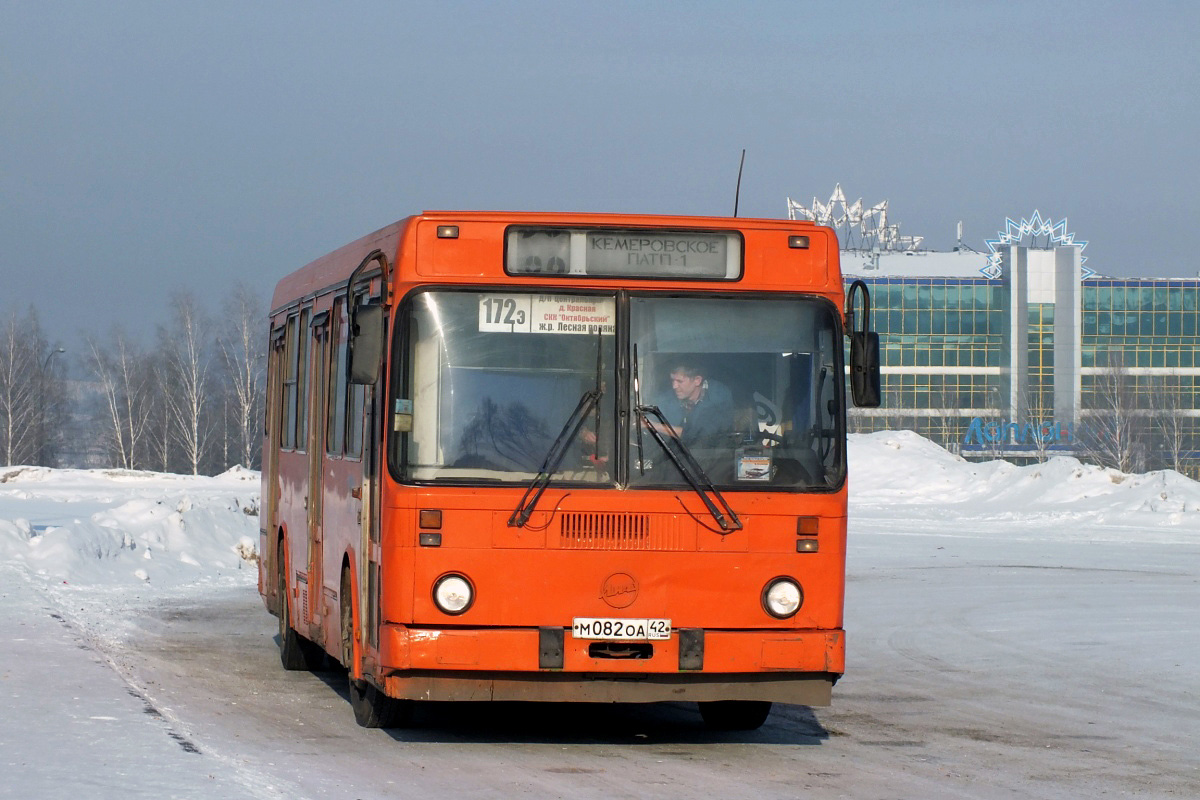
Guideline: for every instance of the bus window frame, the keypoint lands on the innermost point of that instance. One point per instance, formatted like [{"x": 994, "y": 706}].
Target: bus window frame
[
  {"x": 400, "y": 374},
  {"x": 840, "y": 391},
  {"x": 289, "y": 384},
  {"x": 356, "y": 393},
  {"x": 304, "y": 382},
  {"x": 335, "y": 415}
]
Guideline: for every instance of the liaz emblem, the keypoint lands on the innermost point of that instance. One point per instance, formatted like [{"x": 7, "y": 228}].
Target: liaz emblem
[{"x": 619, "y": 590}]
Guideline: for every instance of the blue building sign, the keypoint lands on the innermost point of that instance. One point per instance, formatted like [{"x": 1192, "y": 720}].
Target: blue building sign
[{"x": 985, "y": 434}]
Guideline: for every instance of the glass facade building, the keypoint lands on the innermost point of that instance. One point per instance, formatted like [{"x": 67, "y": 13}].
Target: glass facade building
[{"x": 1037, "y": 361}]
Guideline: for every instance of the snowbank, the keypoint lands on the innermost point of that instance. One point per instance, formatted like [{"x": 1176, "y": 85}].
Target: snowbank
[
  {"x": 123, "y": 527},
  {"x": 892, "y": 468}
]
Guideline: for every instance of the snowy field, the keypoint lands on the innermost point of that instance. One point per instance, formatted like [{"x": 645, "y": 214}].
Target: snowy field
[{"x": 1013, "y": 632}]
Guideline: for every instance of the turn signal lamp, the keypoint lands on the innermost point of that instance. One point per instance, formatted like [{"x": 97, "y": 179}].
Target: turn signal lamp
[
  {"x": 806, "y": 532},
  {"x": 429, "y": 518},
  {"x": 447, "y": 231}
]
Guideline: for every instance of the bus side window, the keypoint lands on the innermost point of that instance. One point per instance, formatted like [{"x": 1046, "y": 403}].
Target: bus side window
[
  {"x": 288, "y": 418},
  {"x": 303, "y": 381},
  {"x": 355, "y": 406},
  {"x": 274, "y": 379},
  {"x": 335, "y": 438}
]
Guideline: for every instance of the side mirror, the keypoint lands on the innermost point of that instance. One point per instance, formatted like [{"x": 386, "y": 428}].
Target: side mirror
[
  {"x": 366, "y": 344},
  {"x": 864, "y": 369},
  {"x": 864, "y": 352}
]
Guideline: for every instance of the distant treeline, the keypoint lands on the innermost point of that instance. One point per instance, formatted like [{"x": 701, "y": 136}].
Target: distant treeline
[{"x": 190, "y": 403}]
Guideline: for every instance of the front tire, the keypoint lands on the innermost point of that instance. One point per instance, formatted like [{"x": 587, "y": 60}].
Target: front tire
[
  {"x": 735, "y": 715},
  {"x": 372, "y": 708}
]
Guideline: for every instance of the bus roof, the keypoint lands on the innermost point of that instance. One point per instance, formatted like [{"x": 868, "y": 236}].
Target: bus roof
[{"x": 335, "y": 268}]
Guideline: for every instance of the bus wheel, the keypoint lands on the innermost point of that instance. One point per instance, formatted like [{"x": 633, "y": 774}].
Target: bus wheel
[
  {"x": 735, "y": 715},
  {"x": 347, "y": 624},
  {"x": 374, "y": 709},
  {"x": 295, "y": 652}
]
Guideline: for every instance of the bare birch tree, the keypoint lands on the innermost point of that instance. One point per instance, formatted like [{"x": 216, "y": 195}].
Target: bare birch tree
[
  {"x": 1170, "y": 425},
  {"x": 18, "y": 393},
  {"x": 943, "y": 426},
  {"x": 1038, "y": 425},
  {"x": 1114, "y": 437},
  {"x": 242, "y": 343},
  {"x": 185, "y": 380},
  {"x": 32, "y": 406},
  {"x": 123, "y": 375},
  {"x": 158, "y": 440}
]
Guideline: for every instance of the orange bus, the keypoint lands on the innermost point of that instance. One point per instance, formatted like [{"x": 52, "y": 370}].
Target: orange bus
[{"x": 565, "y": 457}]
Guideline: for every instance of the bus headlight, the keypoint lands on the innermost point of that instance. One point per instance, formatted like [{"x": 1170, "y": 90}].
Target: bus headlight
[
  {"x": 453, "y": 594},
  {"x": 782, "y": 597}
]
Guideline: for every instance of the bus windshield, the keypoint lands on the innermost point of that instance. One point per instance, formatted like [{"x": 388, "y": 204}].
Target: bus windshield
[
  {"x": 750, "y": 386},
  {"x": 495, "y": 377}
]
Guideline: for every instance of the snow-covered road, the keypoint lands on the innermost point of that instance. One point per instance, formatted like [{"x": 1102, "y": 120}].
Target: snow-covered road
[
  {"x": 1039, "y": 638},
  {"x": 75, "y": 725}
]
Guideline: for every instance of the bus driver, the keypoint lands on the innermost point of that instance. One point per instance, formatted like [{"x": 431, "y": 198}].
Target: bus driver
[{"x": 700, "y": 410}]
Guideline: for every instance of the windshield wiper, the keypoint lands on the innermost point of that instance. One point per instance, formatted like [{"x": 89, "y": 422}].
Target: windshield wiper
[
  {"x": 637, "y": 404},
  {"x": 554, "y": 457},
  {"x": 689, "y": 467}
]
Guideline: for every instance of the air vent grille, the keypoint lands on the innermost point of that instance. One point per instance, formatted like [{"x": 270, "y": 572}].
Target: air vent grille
[{"x": 584, "y": 531}]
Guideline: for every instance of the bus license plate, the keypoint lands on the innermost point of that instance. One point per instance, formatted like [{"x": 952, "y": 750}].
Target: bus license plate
[{"x": 635, "y": 630}]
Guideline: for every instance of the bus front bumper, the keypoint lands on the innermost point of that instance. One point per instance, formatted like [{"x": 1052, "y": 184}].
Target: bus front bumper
[{"x": 548, "y": 664}]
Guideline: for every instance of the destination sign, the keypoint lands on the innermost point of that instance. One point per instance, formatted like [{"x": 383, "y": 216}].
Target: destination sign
[
  {"x": 544, "y": 313},
  {"x": 705, "y": 255}
]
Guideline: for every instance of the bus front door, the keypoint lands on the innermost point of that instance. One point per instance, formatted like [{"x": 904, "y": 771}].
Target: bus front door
[{"x": 314, "y": 605}]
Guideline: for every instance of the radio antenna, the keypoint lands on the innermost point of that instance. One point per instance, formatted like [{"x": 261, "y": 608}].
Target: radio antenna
[{"x": 737, "y": 193}]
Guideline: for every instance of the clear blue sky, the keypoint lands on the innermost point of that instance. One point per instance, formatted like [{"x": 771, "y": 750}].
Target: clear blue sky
[{"x": 147, "y": 147}]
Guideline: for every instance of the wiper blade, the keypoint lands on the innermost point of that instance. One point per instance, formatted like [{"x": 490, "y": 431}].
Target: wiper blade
[
  {"x": 690, "y": 468},
  {"x": 637, "y": 406},
  {"x": 554, "y": 457}
]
